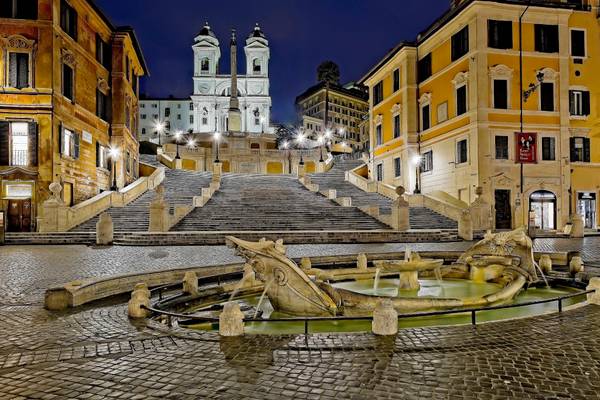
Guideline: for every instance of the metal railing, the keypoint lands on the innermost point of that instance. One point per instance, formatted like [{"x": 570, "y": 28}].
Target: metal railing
[
  {"x": 19, "y": 158},
  {"x": 307, "y": 320}
]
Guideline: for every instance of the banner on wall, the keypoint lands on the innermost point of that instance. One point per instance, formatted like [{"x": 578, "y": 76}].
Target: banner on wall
[{"x": 526, "y": 147}]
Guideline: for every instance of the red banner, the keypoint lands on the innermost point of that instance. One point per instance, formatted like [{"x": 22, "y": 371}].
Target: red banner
[{"x": 526, "y": 147}]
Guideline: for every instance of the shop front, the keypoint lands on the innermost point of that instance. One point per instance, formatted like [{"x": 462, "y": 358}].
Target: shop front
[{"x": 586, "y": 207}]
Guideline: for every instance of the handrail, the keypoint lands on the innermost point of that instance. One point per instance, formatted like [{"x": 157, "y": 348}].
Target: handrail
[{"x": 306, "y": 320}]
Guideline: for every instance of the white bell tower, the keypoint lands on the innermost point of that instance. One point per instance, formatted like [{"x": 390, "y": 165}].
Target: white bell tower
[{"x": 257, "y": 53}]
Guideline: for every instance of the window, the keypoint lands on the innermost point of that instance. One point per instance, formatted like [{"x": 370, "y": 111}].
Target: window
[
  {"x": 179, "y": 117},
  {"x": 580, "y": 149},
  {"x": 378, "y": 93},
  {"x": 128, "y": 117},
  {"x": 579, "y": 102},
  {"x": 500, "y": 34},
  {"x": 256, "y": 121},
  {"x": 547, "y": 96},
  {"x": 462, "y": 152},
  {"x": 68, "y": 19},
  {"x": 396, "y": 126},
  {"x": 103, "y": 52},
  {"x": 427, "y": 161},
  {"x": 380, "y": 172},
  {"x": 501, "y": 94},
  {"x": 143, "y": 131},
  {"x": 501, "y": 143},
  {"x": 144, "y": 116},
  {"x": 578, "y": 43},
  {"x": 378, "y": 136},
  {"x": 204, "y": 121},
  {"x": 191, "y": 106},
  {"x": 127, "y": 68},
  {"x": 204, "y": 65},
  {"x": 18, "y": 70},
  {"x": 102, "y": 155},
  {"x": 396, "y": 79},
  {"x": 425, "y": 117},
  {"x": 191, "y": 119},
  {"x": 167, "y": 111},
  {"x": 460, "y": 43},
  {"x": 102, "y": 105},
  {"x": 461, "y": 100},
  {"x": 68, "y": 81},
  {"x": 18, "y": 143},
  {"x": 548, "y": 148},
  {"x": 19, "y": 9},
  {"x": 128, "y": 162},
  {"x": 256, "y": 67},
  {"x": 546, "y": 38},
  {"x": 424, "y": 68},
  {"x": 69, "y": 144},
  {"x": 397, "y": 167}
]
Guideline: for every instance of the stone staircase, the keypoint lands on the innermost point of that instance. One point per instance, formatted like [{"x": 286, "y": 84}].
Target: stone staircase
[
  {"x": 420, "y": 217},
  {"x": 272, "y": 203},
  {"x": 180, "y": 189}
]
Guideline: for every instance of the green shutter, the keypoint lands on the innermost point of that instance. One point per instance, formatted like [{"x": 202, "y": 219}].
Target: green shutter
[
  {"x": 32, "y": 144},
  {"x": 585, "y": 99}
]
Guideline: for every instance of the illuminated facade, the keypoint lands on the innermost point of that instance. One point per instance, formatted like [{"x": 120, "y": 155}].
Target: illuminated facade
[{"x": 445, "y": 110}]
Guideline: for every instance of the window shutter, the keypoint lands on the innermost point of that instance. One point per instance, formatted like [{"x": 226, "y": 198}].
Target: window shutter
[
  {"x": 32, "y": 144},
  {"x": 586, "y": 150},
  {"x": 585, "y": 98},
  {"x": 573, "y": 152},
  {"x": 4, "y": 150},
  {"x": 98, "y": 155},
  {"x": 12, "y": 70},
  {"x": 60, "y": 139},
  {"x": 22, "y": 70},
  {"x": 76, "y": 146},
  {"x": 73, "y": 23}
]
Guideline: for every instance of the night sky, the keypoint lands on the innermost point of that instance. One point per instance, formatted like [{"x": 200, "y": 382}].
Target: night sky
[{"x": 353, "y": 33}]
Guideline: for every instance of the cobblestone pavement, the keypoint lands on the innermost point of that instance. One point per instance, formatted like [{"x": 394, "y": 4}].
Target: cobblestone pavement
[{"x": 96, "y": 352}]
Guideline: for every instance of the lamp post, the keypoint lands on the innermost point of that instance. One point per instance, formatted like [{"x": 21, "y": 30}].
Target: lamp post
[
  {"x": 300, "y": 140},
  {"x": 321, "y": 140},
  {"x": 285, "y": 145},
  {"x": 113, "y": 153},
  {"x": 160, "y": 128},
  {"x": 417, "y": 160},
  {"x": 177, "y": 137},
  {"x": 217, "y": 137},
  {"x": 521, "y": 98}
]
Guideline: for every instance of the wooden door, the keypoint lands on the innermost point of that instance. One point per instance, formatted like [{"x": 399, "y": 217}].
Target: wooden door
[
  {"x": 19, "y": 216},
  {"x": 503, "y": 209}
]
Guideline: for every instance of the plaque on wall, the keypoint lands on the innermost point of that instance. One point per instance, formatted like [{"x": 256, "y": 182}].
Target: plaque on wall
[{"x": 87, "y": 137}]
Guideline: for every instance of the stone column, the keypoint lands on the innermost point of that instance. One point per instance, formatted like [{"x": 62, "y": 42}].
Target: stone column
[
  {"x": 400, "y": 212},
  {"x": 385, "y": 319},
  {"x": 217, "y": 171},
  {"x": 159, "y": 212},
  {"x": 231, "y": 320},
  {"x": 577, "y": 231},
  {"x": 104, "y": 230},
  {"x": 190, "y": 283},
  {"x": 465, "y": 226}
]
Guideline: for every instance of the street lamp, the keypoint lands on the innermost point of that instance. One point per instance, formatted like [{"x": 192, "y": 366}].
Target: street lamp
[
  {"x": 113, "y": 153},
  {"x": 300, "y": 140},
  {"x": 191, "y": 143},
  {"x": 321, "y": 140},
  {"x": 217, "y": 137},
  {"x": 177, "y": 137},
  {"x": 285, "y": 145},
  {"x": 159, "y": 127},
  {"x": 417, "y": 161}
]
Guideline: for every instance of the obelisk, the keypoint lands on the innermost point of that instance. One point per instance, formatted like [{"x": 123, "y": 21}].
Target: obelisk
[{"x": 235, "y": 116}]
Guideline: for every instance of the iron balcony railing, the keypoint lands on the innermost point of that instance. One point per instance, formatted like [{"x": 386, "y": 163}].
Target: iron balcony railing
[{"x": 19, "y": 158}]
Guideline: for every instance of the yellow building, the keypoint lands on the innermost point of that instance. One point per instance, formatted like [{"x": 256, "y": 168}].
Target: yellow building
[
  {"x": 68, "y": 93},
  {"x": 339, "y": 109},
  {"x": 446, "y": 117}
]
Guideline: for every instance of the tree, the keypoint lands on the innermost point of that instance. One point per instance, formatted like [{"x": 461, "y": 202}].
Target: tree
[{"x": 328, "y": 71}]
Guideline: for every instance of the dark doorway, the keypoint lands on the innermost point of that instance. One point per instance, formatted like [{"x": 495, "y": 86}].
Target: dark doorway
[
  {"x": 503, "y": 209},
  {"x": 19, "y": 216}
]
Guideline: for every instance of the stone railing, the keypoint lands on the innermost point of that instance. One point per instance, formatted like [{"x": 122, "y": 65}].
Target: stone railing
[
  {"x": 166, "y": 160},
  {"x": 360, "y": 182},
  {"x": 58, "y": 217},
  {"x": 386, "y": 190},
  {"x": 446, "y": 209}
]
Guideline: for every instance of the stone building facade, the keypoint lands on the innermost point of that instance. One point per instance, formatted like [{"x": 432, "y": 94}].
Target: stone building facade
[
  {"x": 339, "y": 109},
  {"x": 445, "y": 111},
  {"x": 68, "y": 93}
]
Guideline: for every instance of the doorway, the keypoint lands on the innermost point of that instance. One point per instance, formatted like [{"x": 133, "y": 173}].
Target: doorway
[
  {"x": 503, "y": 209},
  {"x": 19, "y": 216},
  {"x": 543, "y": 204},
  {"x": 68, "y": 194},
  {"x": 586, "y": 207}
]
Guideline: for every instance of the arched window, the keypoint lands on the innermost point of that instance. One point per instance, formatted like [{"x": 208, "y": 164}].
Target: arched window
[
  {"x": 227, "y": 92},
  {"x": 256, "y": 67},
  {"x": 204, "y": 64}
]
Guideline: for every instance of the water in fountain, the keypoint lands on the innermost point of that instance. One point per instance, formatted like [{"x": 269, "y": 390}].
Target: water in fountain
[
  {"x": 262, "y": 297},
  {"x": 376, "y": 280},
  {"x": 241, "y": 283}
]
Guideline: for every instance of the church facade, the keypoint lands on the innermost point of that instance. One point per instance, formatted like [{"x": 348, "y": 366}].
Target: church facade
[{"x": 212, "y": 90}]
